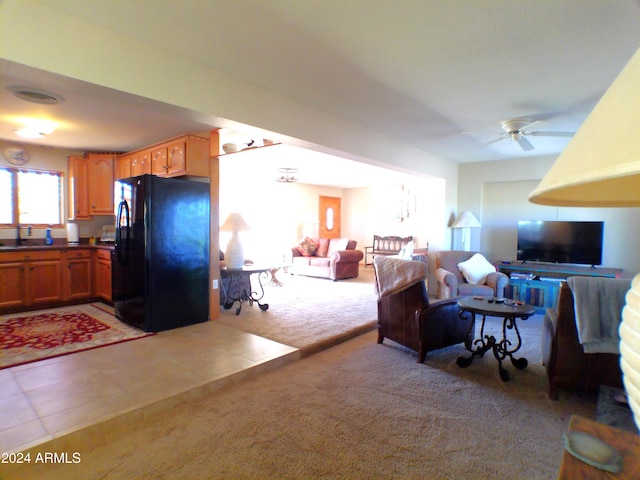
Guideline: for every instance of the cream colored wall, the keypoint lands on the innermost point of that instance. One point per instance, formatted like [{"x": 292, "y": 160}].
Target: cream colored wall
[
  {"x": 54, "y": 159},
  {"x": 496, "y": 192},
  {"x": 68, "y": 46}
]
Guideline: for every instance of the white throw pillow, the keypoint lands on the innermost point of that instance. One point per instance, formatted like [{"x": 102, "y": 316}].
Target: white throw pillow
[
  {"x": 476, "y": 269},
  {"x": 406, "y": 252},
  {"x": 337, "y": 245}
]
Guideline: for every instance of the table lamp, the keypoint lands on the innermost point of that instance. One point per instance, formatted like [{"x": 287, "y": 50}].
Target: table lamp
[
  {"x": 466, "y": 221},
  {"x": 600, "y": 167},
  {"x": 234, "y": 254}
]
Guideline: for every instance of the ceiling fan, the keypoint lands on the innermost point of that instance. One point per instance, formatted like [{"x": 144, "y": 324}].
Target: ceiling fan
[{"x": 518, "y": 129}]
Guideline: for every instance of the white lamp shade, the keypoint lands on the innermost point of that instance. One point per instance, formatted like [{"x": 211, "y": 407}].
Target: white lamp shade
[
  {"x": 601, "y": 168},
  {"x": 234, "y": 223},
  {"x": 466, "y": 220}
]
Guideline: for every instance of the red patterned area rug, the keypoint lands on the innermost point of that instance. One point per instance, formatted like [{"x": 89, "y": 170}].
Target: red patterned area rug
[{"x": 33, "y": 336}]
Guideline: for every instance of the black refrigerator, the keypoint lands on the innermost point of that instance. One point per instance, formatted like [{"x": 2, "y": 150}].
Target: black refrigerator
[{"x": 160, "y": 263}]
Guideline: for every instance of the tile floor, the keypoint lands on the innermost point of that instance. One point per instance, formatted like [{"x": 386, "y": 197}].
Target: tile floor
[{"x": 43, "y": 401}]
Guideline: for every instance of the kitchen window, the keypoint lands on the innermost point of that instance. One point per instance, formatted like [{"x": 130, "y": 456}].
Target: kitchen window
[{"x": 30, "y": 197}]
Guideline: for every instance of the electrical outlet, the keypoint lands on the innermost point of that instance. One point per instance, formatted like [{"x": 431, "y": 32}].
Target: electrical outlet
[{"x": 215, "y": 284}]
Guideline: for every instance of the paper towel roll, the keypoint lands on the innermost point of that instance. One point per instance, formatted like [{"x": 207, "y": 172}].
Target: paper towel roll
[{"x": 72, "y": 233}]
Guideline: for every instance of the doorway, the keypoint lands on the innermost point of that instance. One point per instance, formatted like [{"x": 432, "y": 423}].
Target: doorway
[{"x": 330, "y": 215}]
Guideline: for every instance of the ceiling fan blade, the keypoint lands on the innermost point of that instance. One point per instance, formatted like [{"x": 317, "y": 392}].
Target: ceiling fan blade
[
  {"x": 501, "y": 137},
  {"x": 524, "y": 143},
  {"x": 551, "y": 134}
]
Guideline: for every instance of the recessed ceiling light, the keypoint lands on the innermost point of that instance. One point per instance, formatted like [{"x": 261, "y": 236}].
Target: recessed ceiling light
[
  {"x": 36, "y": 96},
  {"x": 35, "y": 128}
]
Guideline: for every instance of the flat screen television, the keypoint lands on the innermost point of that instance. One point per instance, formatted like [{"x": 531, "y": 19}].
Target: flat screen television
[{"x": 560, "y": 242}]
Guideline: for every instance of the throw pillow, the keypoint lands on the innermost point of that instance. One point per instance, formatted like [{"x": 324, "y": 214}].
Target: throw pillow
[
  {"x": 406, "y": 252},
  {"x": 323, "y": 248},
  {"x": 476, "y": 269},
  {"x": 337, "y": 244},
  {"x": 307, "y": 247}
]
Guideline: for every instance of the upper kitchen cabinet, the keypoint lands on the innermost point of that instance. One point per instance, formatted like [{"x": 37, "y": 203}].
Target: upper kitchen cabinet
[
  {"x": 90, "y": 185},
  {"x": 141, "y": 163},
  {"x": 123, "y": 167},
  {"x": 159, "y": 163},
  {"x": 78, "y": 177},
  {"x": 101, "y": 183},
  {"x": 186, "y": 155}
]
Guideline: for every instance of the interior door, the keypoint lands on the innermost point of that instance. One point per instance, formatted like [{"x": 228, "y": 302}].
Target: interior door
[{"x": 330, "y": 217}]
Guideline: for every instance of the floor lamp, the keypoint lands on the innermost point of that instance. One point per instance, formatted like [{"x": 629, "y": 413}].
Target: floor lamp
[
  {"x": 600, "y": 167},
  {"x": 466, "y": 221}
]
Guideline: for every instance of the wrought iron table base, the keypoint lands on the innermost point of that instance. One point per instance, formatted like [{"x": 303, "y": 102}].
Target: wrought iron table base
[
  {"x": 238, "y": 293},
  {"x": 501, "y": 349}
]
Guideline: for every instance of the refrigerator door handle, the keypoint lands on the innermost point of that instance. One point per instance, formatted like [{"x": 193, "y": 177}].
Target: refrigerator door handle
[{"x": 122, "y": 249}]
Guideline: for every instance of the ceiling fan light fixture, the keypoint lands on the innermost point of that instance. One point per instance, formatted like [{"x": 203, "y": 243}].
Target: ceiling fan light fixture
[{"x": 287, "y": 175}]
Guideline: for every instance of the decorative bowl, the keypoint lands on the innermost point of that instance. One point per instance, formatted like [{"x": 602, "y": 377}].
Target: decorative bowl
[{"x": 230, "y": 148}]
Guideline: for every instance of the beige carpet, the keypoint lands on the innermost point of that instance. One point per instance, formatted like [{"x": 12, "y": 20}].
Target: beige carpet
[
  {"x": 308, "y": 313},
  {"x": 356, "y": 411}
]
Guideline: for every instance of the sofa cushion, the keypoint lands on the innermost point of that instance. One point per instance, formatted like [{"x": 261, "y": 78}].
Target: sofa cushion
[
  {"x": 319, "y": 261},
  {"x": 337, "y": 244},
  {"x": 323, "y": 248},
  {"x": 307, "y": 247},
  {"x": 301, "y": 260},
  {"x": 476, "y": 269}
]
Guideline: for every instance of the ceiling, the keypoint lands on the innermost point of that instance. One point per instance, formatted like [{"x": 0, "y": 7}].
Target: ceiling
[{"x": 440, "y": 76}]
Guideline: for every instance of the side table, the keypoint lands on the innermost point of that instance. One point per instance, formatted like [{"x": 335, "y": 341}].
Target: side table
[
  {"x": 503, "y": 347},
  {"x": 628, "y": 444},
  {"x": 237, "y": 291}
]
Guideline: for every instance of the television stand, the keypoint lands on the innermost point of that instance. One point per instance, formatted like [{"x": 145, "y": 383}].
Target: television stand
[{"x": 538, "y": 284}]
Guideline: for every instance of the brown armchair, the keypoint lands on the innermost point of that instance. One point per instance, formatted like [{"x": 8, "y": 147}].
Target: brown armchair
[
  {"x": 451, "y": 282},
  {"x": 564, "y": 358},
  {"x": 406, "y": 317}
]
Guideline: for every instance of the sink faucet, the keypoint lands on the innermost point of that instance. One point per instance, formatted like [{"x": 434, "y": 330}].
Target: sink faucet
[{"x": 19, "y": 239}]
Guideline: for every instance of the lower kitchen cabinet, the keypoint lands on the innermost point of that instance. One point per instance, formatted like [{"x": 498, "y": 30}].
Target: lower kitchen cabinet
[
  {"x": 77, "y": 275},
  {"x": 102, "y": 274},
  {"x": 30, "y": 278}
]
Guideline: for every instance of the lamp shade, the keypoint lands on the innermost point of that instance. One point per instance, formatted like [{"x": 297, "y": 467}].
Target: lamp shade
[
  {"x": 234, "y": 223},
  {"x": 466, "y": 220},
  {"x": 600, "y": 167}
]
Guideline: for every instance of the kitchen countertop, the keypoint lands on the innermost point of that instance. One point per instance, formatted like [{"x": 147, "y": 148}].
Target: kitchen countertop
[{"x": 4, "y": 247}]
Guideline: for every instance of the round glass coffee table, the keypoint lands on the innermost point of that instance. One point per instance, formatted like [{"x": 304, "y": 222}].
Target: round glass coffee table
[{"x": 509, "y": 310}]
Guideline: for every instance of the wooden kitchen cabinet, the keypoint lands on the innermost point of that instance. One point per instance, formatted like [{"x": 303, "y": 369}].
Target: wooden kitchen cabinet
[
  {"x": 184, "y": 155},
  {"x": 78, "y": 183},
  {"x": 101, "y": 183},
  {"x": 13, "y": 286},
  {"x": 77, "y": 277},
  {"x": 159, "y": 164},
  {"x": 102, "y": 274},
  {"x": 30, "y": 278},
  {"x": 141, "y": 163},
  {"x": 123, "y": 167}
]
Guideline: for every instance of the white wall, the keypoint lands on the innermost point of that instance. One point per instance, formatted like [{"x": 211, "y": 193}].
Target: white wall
[
  {"x": 275, "y": 211},
  {"x": 67, "y": 46},
  {"x": 497, "y": 194},
  {"x": 53, "y": 159}
]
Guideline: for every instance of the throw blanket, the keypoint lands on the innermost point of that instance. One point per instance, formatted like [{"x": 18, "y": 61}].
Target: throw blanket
[
  {"x": 598, "y": 304},
  {"x": 394, "y": 275}
]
